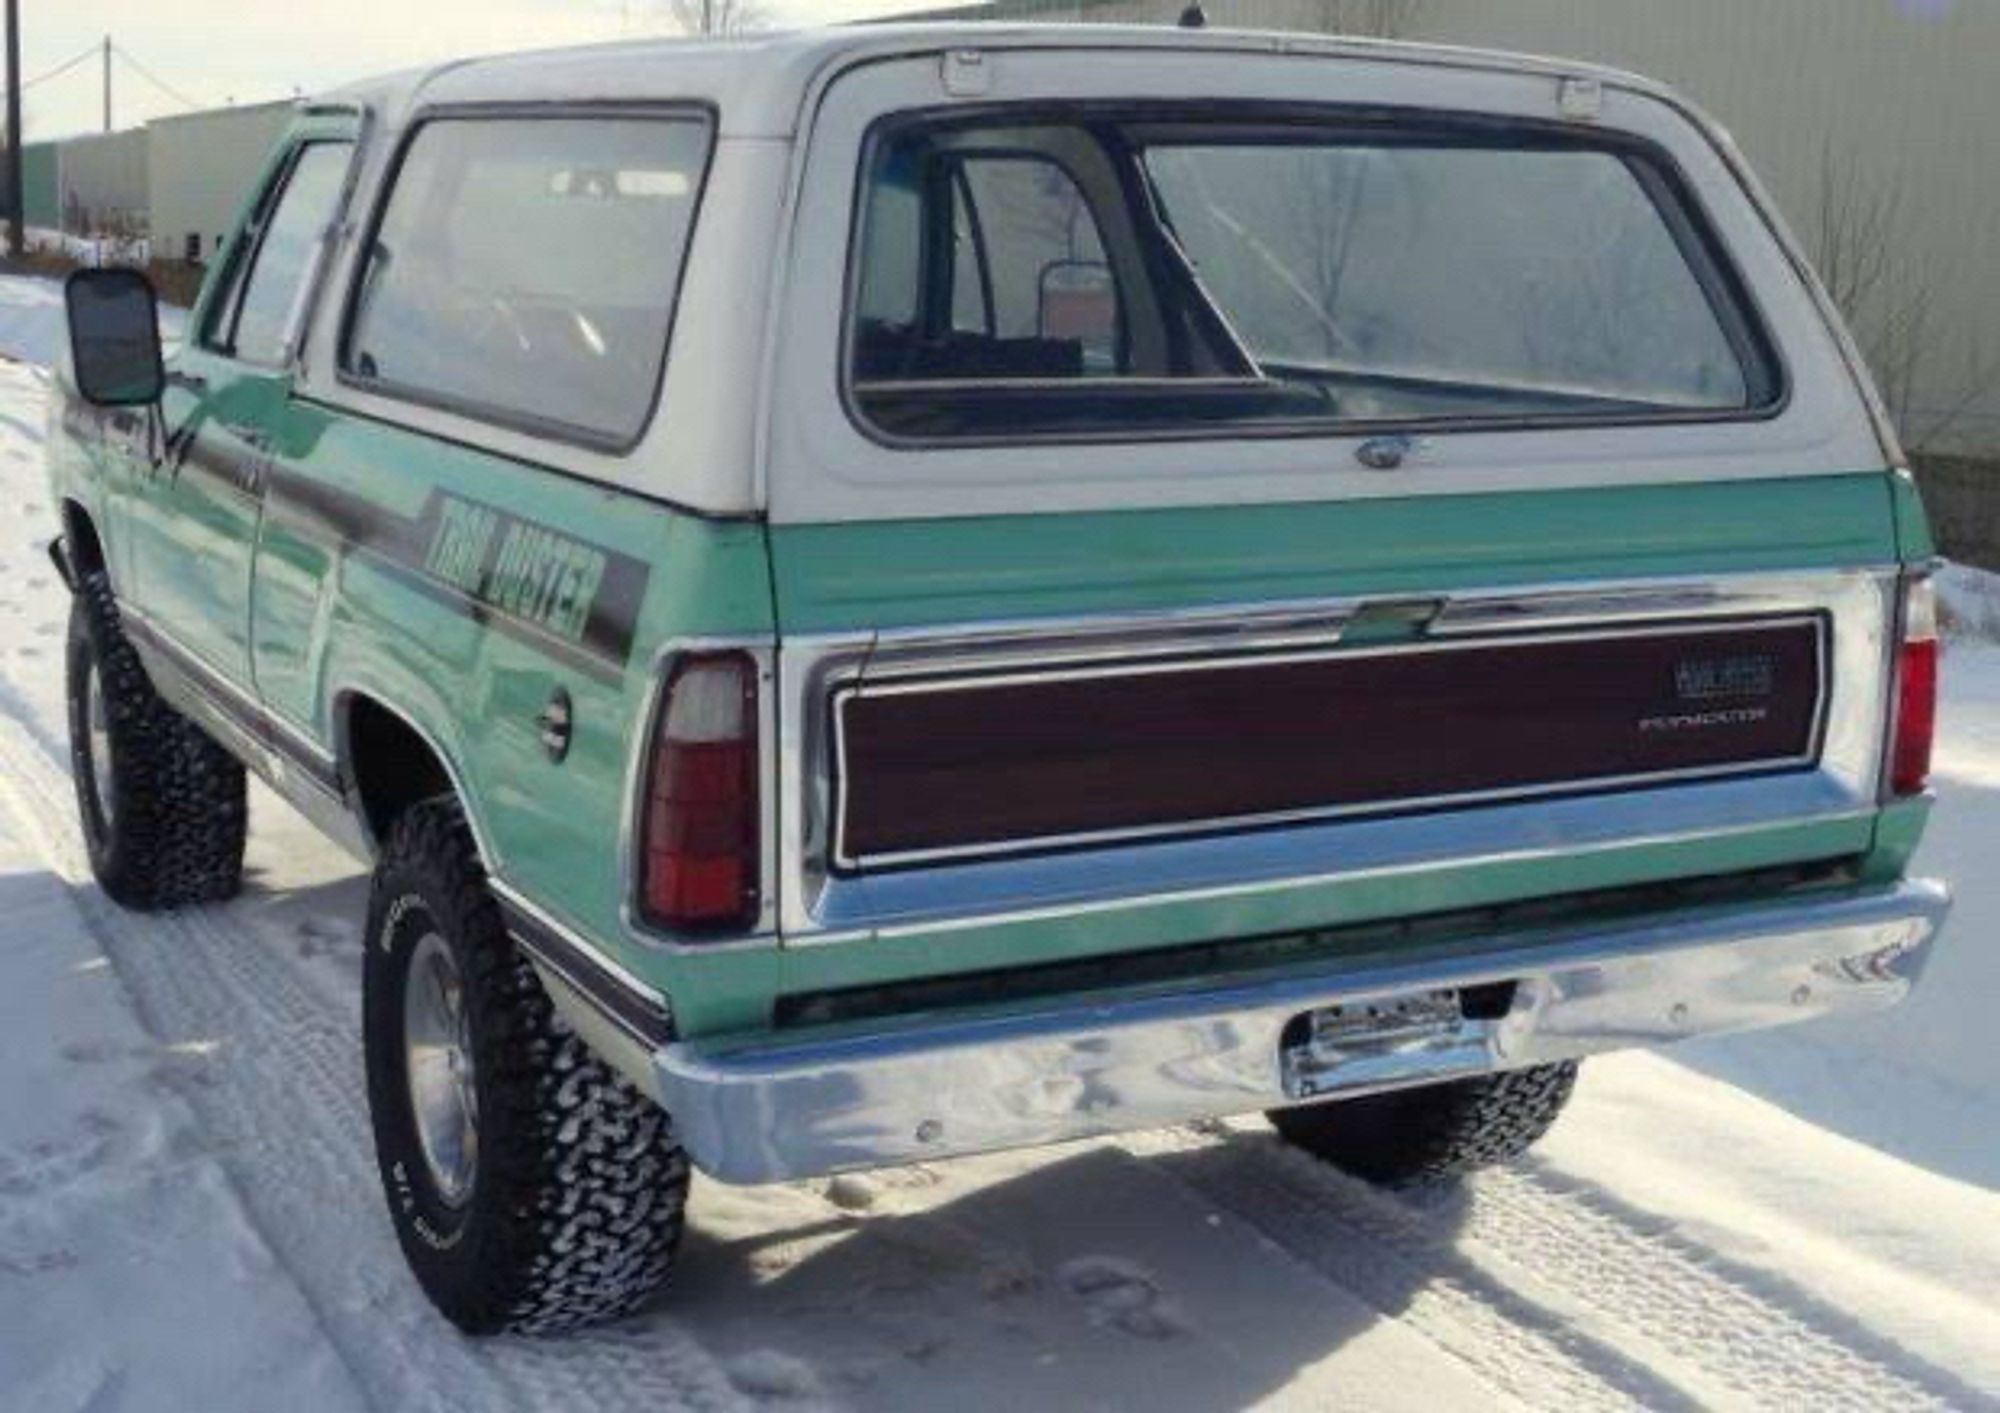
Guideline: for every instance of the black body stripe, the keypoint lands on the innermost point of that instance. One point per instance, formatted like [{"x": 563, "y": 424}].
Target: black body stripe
[
  {"x": 253, "y": 721},
  {"x": 642, "y": 1016},
  {"x": 403, "y": 546},
  {"x": 230, "y": 465}
]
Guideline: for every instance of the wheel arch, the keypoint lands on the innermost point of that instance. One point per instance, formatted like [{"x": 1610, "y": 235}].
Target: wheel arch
[
  {"x": 388, "y": 762},
  {"x": 85, "y": 545}
]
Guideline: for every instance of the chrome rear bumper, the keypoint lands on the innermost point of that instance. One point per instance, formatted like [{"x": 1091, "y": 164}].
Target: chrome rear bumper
[{"x": 798, "y": 1105}]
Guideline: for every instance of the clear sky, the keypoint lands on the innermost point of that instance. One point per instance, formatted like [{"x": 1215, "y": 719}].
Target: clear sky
[{"x": 246, "y": 51}]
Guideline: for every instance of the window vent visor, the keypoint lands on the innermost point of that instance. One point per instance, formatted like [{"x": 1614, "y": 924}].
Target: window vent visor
[
  {"x": 700, "y": 838},
  {"x": 938, "y": 769}
]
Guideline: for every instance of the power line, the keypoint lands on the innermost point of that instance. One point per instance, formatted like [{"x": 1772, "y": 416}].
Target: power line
[
  {"x": 154, "y": 79},
  {"x": 59, "y": 70}
]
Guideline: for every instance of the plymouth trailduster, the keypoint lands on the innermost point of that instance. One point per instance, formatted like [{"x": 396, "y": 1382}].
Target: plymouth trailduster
[{"x": 900, "y": 591}]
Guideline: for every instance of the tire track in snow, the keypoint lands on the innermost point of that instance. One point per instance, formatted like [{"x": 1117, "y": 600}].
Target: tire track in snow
[
  {"x": 1769, "y": 1341},
  {"x": 1355, "y": 1237},
  {"x": 274, "y": 1074},
  {"x": 1592, "y": 1289}
]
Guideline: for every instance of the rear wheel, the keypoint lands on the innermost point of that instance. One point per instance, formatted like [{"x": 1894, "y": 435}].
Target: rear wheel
[
  {"x": 164, "y": 808},
  {"x": 1435, "y": 1133},
  {"x": 532, "y": 1188}
]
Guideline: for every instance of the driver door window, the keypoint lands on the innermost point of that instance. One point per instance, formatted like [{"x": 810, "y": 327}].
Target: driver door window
[{"x": 256, "y": 316}]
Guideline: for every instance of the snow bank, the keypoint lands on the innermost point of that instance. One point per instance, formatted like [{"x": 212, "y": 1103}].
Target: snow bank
[{"x": 32, "y": 327}]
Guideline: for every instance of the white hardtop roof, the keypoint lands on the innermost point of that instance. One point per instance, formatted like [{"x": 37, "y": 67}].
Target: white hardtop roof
[{"x": 758, "y": 83}]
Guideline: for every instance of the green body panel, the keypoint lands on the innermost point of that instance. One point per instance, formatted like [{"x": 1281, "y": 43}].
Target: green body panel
[
  {"x": 1913, "y": 527},
  {"x": 938, "y": 571},
  {"x": 1899, "y": 828},
  {"x": 194, "y": 526},
  {"x": 333, "y": 619}
]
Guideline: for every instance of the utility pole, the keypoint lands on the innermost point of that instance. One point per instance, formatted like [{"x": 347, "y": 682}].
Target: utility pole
[
  {"x": 14, "y": 234},
  {"x": 107, "y": 83}
]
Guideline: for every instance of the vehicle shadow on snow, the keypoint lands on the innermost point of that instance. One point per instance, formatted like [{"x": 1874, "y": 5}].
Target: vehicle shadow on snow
[{"x": 1096, "y": 1279}]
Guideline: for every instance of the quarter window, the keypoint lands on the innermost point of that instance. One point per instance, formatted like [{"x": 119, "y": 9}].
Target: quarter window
[{"x": 524, "y": 270}]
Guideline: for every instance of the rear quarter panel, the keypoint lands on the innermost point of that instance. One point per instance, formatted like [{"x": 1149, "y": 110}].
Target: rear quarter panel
[{"x": 367, "y": 533}]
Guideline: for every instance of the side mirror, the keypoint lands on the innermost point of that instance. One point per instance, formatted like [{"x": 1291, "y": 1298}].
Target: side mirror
[
  {"x": 114, "y": 337},
  {"x": 1078, "y": 300}
]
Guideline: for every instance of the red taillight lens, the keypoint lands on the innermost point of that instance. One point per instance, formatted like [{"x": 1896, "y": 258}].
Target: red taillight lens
[
  {"x": 1916, "y": 692},
  {"x": 701, "y": 836}
]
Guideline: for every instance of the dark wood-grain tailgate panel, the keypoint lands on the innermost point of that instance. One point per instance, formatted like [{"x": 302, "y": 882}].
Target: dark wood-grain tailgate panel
[{"x": 973, "y": 764}]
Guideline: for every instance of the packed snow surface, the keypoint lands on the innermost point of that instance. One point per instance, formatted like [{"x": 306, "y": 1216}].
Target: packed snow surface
[{"x": 189, "y": 1215}]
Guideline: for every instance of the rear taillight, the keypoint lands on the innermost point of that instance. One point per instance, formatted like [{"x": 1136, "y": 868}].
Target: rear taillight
[
  {"x": 1915, "y": 701},
  {"x": 701, "y": 831}
]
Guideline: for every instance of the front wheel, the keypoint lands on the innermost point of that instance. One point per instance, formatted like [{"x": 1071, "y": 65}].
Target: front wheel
[
  {"x": 1435, "y": 1133},
  {"x": 164, "y": 808},
  {"x": 532, "y": 1188}
]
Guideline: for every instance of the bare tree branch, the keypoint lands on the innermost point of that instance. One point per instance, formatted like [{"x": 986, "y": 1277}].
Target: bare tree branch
[
  {"x": 1888, "y": 298},
  {"x": 717, "y": 18}
]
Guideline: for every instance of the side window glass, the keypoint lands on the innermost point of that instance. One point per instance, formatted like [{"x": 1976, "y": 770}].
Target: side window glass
[
  {"x": 525, "y": 270},
  {"x": 261, "y": 313}
]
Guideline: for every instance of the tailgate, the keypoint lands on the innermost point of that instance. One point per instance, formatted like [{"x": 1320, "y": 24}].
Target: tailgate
[{"x": 1184, "y": 725}]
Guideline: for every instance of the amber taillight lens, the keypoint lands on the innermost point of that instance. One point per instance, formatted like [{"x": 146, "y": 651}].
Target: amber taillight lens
[
  {"x": 700, "y": 841},
  {"x": 1915, "y": 700}
]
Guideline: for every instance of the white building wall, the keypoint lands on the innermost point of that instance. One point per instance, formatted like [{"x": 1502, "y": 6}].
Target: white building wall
[
  {"x": 201, "y": 169},
  {"x": 1897, "y": 101},
  {"x": 101, "y": 184}
]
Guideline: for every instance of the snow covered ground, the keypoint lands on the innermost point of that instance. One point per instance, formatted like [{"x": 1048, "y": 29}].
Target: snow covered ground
[{"x": 189, "y": 1217}]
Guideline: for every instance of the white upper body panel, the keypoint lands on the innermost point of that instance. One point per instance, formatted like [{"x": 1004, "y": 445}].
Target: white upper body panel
[{"x": 752, "y": 420}]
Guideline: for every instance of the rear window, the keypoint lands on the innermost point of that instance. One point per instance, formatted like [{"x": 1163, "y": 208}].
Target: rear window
[
  {"x": 1123, "y": 276},
  {"x": 524, "y": 270}
]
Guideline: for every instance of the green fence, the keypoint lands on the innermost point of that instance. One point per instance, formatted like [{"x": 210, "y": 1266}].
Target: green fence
[{"x": 40, "y": 203}]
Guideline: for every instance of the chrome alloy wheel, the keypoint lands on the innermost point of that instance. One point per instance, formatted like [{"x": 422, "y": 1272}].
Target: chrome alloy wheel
[{"x": 437, "y": 1040}]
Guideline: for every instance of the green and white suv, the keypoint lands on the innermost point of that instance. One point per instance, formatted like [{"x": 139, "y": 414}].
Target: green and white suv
[{"x": 901, "y": 591}]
